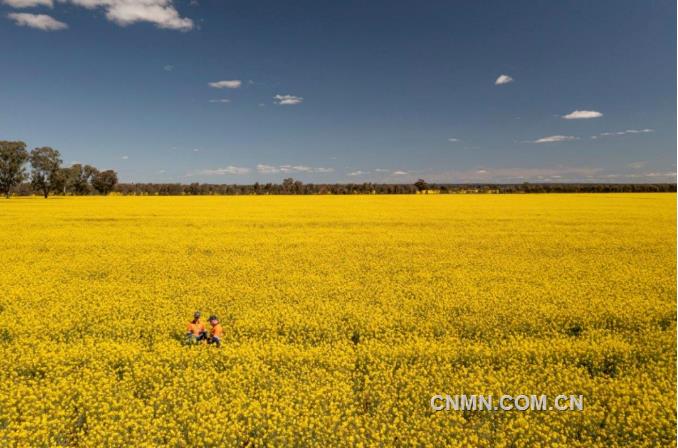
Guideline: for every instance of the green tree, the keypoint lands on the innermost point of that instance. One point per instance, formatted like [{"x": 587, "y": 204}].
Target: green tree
[
  {"x": 421, "y": 185},
  {"x": 104, "y": 181},
  {"x": 45, "y": 175},
  {"x": 13, "y": 157},
  {"x": 78, "y": 178},
  {"x": 288, "y": 185},
  {"x": 59, "y": 180}
]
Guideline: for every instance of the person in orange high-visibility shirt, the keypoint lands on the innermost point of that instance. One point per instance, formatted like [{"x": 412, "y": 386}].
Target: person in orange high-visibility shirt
[
  {"x": 216, "y": 332},
  {"x": 196, "y": 330}
]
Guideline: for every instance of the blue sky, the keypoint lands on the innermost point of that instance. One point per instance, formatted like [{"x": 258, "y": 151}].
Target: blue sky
[{"x": 353, "y": 91}]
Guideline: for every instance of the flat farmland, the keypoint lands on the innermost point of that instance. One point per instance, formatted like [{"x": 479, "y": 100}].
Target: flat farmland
[{"x": 343, "y": 316}]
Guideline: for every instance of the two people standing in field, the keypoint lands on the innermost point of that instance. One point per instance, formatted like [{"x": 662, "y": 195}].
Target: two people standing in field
[{"x": 197, "y": 333}]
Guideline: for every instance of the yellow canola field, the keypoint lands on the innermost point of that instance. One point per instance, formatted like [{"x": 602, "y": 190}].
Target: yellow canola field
[{"x": 343, "y": 317}]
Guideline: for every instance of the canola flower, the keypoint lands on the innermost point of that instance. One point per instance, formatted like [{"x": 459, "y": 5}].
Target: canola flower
[{"x": 342, "y": 317}]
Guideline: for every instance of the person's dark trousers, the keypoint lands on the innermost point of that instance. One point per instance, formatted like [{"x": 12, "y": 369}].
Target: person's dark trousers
[{"x": 193, "y": 339}]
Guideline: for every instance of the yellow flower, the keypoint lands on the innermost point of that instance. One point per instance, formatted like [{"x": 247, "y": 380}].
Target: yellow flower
[{"x": 343, "y": 316}]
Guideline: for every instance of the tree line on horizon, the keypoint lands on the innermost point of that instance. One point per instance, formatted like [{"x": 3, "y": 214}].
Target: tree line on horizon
[
  {"x": 296, "y": 187},
  {"x": 47, "y": 176}
]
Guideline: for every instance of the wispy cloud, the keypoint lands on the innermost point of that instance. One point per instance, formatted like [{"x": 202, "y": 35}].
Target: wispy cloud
[
  {"x": 38, "y": 21},
  {"x": 124, "y": 157},
  {"x": 517, "y": 175},
  {"x": 665, "y": 174},
  {"x": 381, "y": 170},
  {"x": 267, "y": 169},
  {"x": 356, "y": 173},
  {"x": 582, "y": 115},
  {"x": 628, "y": 131},
  {"x": 220, "y": 100},
  {"x": 400, "y": 173},
  {"x": 555, "y": 139},
  {"x": 296, "y": 168},
  {"x": 556, "y": 173},
  {"x": 453, "y": 140},
  {"x": 161, "y": 13},
  {"x": 272, "y": 169},
  {"x": 637, "y": 165},
  {"x": 229, "y": 170},
  {"x": 226, "y": 84},
  {"x": 287, "y": 100},
  {"x": 503, "y": 79},
  {"x": 168, "y": 68},
  {"x": 28, "y": 3}
]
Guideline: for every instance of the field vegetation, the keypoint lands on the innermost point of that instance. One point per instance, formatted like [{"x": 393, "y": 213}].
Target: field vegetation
[{"x": 343, "y": 316}]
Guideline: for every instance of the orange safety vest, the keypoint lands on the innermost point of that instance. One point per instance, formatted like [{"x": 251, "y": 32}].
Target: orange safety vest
[
  {"x": 196, "y": 327},
  {"x": 217, "y": 331}
]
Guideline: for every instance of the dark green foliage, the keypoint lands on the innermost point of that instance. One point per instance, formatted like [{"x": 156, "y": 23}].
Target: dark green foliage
[
  {"x": 46, "y": 175},
  {"x": 421, "y": 185},
  {"x": 78, "y": 178},
  {"x": 291, "y": 186},
  {"x": 104, "y": 181},
  {"x": 13, "y": 157}
]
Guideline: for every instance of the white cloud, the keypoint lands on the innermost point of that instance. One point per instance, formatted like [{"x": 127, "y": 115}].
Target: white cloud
[
  {"x": 356, "y": 173},
  {"x": 637, "y": 131},
  {"x": 555, "y": 139},
  {"x": 267, "y": 169},
  {"x": 503, "y": 79},
  {"x": 453, "y": 140},
  {"x": 637, "y": 165},
  {"x": 287, "y": 100},
  {"x": 196, "y": 150},
  {"x": 232, "y": 84},
  {"x": 124, "y": 157},
  {"x": 638, "y": 172},
  {"x": 381, "y": 170},
  {"x": 38, "y": 21},
  {"x": 582, "y": 115},
  {"x": 400, "y": 173},
  {"x": 229, "y": 170},
  {"x": 222, "y": 100},
  {"x": 271, "y": 169},
  {"x": 161, "y": 13},
  {"x": 28, "y": 3},
  {"x": 168, "y": 68},
  {"x": 670, "y": 174},
  {"x": 299, "y": 168},
  {"x": 520, "y": 174},
  {"x": 628, "y": 131}
]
